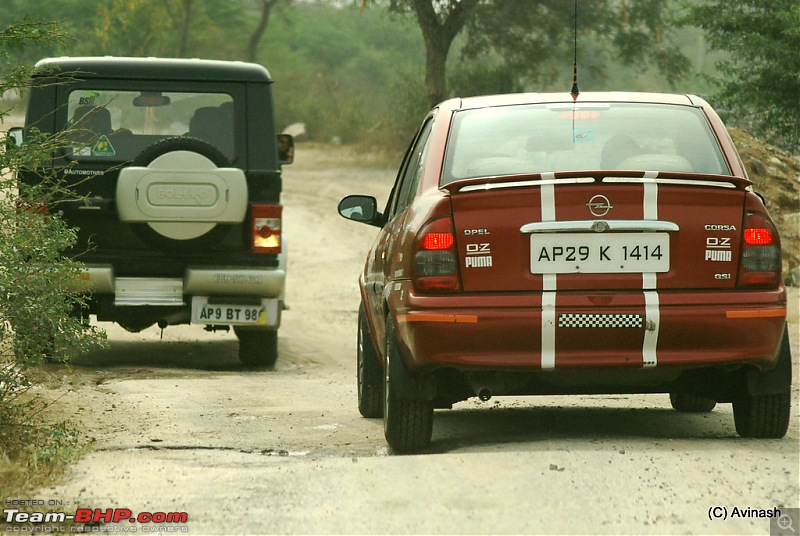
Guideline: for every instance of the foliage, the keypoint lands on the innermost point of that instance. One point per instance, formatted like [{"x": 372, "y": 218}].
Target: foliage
[
  {"x": 348, "y": 74},
  {"x": 760, "y": 82},
  {"x": 359, "y": 75},
  {"x": 539, "y": 38},
  {"x": 39, "y": 289},
  {"x": 169, "y": 28},
  {"x": 530, "y": 44}
]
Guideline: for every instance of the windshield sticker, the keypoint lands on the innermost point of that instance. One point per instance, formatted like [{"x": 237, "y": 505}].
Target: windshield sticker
[
  {"x": 88, "y": 99},
  {"x": 103, "y": 147}
]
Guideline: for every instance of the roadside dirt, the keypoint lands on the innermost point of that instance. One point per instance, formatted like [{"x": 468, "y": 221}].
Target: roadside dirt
[{"x": 179, "y": 426}]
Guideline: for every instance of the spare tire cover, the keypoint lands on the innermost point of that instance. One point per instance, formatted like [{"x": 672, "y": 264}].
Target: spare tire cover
[{"x": 183, "y": 221}]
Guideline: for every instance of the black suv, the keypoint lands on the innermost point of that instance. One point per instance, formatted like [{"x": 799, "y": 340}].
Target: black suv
[{"x": 176, "y": 169}]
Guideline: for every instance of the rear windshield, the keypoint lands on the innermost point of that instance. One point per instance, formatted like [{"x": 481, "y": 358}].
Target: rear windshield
[
  {"x": 112, "y": 125},
  {"x": 540, "y": 138}
]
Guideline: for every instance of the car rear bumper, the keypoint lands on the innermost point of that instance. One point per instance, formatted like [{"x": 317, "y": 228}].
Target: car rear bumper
[
  {"x": 529, "y": 332},
  {"x": 252, "y": 297},
  {"x": 205, "y": 281}
]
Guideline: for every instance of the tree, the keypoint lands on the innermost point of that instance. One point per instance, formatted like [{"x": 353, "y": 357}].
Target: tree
[
  {"x": 181, "y": 16},
  {"x": 440, "y": 23},
  {"x": 760, "y": 83},
  {"x": 167, "y": 28},
  {"x": 533, "y": 38},
  {"x": 266, "y": 10}
]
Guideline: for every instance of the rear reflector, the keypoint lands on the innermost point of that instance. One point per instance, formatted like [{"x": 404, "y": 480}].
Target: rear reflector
[{"x": 266, "y": 228}]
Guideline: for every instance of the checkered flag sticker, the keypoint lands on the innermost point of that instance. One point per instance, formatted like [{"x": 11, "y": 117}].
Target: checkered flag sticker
[{"x": 573, "y": 320}]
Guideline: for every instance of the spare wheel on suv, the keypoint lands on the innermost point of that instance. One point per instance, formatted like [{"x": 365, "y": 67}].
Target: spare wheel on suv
[{"x": 180, "y": 193}]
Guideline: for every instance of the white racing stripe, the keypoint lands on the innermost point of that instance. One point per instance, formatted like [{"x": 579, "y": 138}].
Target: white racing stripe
[
  {"x": 549, "y": 283},
  {"x": 649, "y": 280},
  {"x": 652, "y": 315},
  {"x": 549, "y": 329}
]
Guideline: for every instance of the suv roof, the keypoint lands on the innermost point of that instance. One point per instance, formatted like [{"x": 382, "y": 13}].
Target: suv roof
[{"x": 159, "y": 68}]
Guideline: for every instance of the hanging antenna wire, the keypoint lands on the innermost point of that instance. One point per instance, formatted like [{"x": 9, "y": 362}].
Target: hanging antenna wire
[{"x": 575, "y": 91}]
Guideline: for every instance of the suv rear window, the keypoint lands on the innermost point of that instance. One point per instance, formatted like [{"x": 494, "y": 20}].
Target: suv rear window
[
  {"x": 589, "y": 136},
  {"x": 113, "y": 125}
]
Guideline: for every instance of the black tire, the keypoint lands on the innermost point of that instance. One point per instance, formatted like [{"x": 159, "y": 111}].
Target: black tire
[
  {"x": 257, "y": 347},
  {"x": 181, "y": 143},
  {"x": 762, "y": 416},
  {"x": 369, "y": 372},
  {"x": 160, "y": 148},
  {"x": 407, "y": 422},
  {"x": 766, "y": 416},
  {"x": 691, "y": 403}
]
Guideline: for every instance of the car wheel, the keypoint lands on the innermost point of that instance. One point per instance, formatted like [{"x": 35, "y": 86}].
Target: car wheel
[
  {"x": 257, "y": 347},
  {"x": 691, "y": 403},
  {"x": 407, "y": 422},
  {"x": 370, "y": 375},
  {"x": 762, "y": 416},
  {"x": 766, "y": 416}
]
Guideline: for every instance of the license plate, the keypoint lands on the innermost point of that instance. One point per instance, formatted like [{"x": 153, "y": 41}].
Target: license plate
[
  {"x": 599, "y": 253},
  {"x": 205, "y": 313}
]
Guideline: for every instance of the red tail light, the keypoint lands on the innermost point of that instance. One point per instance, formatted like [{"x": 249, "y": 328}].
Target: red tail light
[
  {"x": 436, "y": 241},
  {"x": 435, "y": 258},
  {"x": 758, "y": 237},
  {"x": 760, "y": 263},
  {"x": 266, "y": 228},
  {"x": 37, "y": 206}
]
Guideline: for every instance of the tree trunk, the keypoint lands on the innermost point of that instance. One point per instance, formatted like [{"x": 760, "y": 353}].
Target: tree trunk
[
  {"x": 185, "y": 29},
  {"x": 258, "y": 33},
  {"x": 436, "y": 51},
  {"x": 439, "y": 29}
]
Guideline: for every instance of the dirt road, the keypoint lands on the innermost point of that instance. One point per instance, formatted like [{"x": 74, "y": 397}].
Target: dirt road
[{"x": 179, "y": 426}]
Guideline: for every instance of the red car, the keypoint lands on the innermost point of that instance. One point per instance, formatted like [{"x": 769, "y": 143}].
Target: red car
[{"x": 536, "y": 244}]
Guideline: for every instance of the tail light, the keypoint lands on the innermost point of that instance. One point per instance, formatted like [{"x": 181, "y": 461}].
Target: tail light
[
  {"x": 435, "y": 258},
  {"x": 266, "y": 228},
  {"x": 760, "y": 263}
]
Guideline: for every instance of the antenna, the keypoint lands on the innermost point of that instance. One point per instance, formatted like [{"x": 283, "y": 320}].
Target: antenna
[{"x": 575, "y": 91}]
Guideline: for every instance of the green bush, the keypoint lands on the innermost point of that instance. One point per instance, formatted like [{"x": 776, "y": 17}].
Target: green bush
[{"x": 41, "y": 294}]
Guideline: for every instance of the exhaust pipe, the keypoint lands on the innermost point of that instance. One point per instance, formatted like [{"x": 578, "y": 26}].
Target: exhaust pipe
[{"x": 485, "y": 394}]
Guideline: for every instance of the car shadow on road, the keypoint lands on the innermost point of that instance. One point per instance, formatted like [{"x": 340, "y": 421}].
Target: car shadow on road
[
  {"x": 221, "y": 355},
  {"x": 470, "y": 428}
]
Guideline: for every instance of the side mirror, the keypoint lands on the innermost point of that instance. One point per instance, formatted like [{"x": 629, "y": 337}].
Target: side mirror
[
  {"x": 361, "y": 208},
  {"x": 285, "y": 149},
  {"x": 14, "y": 136}
]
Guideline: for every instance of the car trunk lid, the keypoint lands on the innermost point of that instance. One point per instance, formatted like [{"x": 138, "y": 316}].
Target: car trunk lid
[{"x": 598, "y": 231}]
